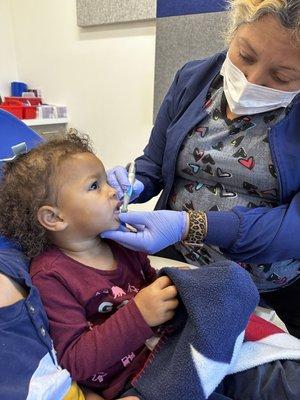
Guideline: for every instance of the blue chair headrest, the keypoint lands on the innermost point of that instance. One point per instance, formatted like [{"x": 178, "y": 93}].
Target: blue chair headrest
[{"x": 15, "y": 136}]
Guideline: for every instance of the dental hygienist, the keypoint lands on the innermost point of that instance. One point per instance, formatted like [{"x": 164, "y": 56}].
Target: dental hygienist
[{"x": 225, "y": 151}]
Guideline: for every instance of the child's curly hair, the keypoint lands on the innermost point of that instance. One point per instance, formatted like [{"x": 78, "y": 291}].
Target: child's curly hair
[{"x": 29, "y": 182}]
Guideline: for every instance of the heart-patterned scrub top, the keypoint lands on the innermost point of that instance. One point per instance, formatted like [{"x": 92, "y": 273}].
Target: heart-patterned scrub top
[{"x": 223, "y": 164}]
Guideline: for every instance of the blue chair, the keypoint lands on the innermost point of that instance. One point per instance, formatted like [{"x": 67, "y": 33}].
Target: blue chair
[{"x": 15, "y": 137}]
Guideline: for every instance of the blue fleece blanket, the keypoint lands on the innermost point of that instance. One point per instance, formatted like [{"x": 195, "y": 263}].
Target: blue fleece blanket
[
  {"x": 213, "y": 334},
  {"x": 206, "y": 334}
]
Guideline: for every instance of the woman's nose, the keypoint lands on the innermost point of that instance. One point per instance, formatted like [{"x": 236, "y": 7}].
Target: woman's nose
[{"x": 256, "y": 76}]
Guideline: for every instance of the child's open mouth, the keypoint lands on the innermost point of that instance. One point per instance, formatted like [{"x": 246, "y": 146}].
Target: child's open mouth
[{"x": 117, "y": 208}]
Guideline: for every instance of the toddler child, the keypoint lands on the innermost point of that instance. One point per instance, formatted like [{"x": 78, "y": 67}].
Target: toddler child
[{"x": 102, "y": 300}]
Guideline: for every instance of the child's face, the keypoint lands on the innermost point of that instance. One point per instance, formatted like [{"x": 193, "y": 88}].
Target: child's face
[{"x": 86, "y": 202}]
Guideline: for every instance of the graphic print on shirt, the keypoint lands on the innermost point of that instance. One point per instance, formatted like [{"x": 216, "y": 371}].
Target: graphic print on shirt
[
  {"x": 105, "y": 307},
  {"x": 214, "y": 208},
  {"x": 194, "y": 167},
  {"x": 265, "y": 271},
  {"x": 208, "y": 169},
  {"x": 132, "y": 289},
  {"x": 241, "y": 125},
  {"x": 219, "y": 190},
  {"x": 197, "y": 154},
  {"x": 128, "y": 359},
  {"x": 247, "y": 162},
  {"x": 208, "y": 159},
  {"x": 280, "y": 280},
  {"x": 217, "y": 114},
  {"x": 219, "y": 146},
  {"x": 107, "y": 301},
  {"x": 236, "y": 142},
  {"x": 173, "y": 196},
  {"x": 240, "y": 153},
  {"x": 188, "y": 206},
  {"x": 230, "y": 160},
  {"x": 117, "y": 292},
  {"x": 122, "y": 304},
  {"x": 223, "y": 174},
  {"x": 198, "y": 185},
  {"x": 189, "y": 187},
  {"x": 199, "y": 255},
  {"x": 99, "y": 377},
  {"x": 272, "y": 170},
  {"x": 272, "y": 193},
  {"x": 188, "y": 171},
  {"x": 251, "y": 189},
  {"x": 202, "y": 131}
]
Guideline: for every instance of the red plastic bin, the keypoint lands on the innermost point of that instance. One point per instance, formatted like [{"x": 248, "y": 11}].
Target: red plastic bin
[
  {"x": 33, "y": 101},
  {"x": 29, "y": 112},
  {"x": 18, "y": 109}
]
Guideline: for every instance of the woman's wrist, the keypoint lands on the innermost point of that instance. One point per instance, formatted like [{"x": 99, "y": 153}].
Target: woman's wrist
[{"x": 196, "y": 228}]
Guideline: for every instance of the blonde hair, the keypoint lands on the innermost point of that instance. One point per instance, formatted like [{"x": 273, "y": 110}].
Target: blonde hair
[{"x": 247, "y": 11}]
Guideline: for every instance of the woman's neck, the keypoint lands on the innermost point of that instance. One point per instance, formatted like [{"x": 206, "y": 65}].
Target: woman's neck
[{"x": 230, "y": 115}]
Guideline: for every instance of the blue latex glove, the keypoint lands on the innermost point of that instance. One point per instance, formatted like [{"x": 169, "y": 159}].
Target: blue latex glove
[
  {"x": 155, "y": 230},
  {"x": 118, "y": 179}
]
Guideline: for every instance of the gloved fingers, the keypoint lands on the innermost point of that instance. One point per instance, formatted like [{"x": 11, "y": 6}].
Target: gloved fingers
[
  {"x": 122, "y": 177},
  {"x": 117, "y": 178},
  {"x": 113, "y": 182},
  {"x": 123, "y": 228},
  {"x": 126, "y": 239},
  {"x": 135, "y": 218},
  {"x": 139, "y": 227},
  {"x": 138, "y": 187},
  {"x": 131, "y": 228}
]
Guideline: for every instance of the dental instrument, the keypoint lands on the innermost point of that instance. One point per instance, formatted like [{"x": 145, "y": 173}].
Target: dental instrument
[{"x": 128, "y": 193}]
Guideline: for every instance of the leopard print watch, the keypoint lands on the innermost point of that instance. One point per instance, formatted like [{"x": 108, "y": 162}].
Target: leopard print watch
[{"x": 197, "y": 229}]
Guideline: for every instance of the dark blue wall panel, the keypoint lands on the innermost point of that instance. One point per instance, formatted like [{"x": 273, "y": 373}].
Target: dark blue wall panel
[{"x": 170, "y": 8}]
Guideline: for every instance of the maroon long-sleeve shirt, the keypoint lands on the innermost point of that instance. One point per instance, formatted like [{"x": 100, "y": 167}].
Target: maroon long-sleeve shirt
[{"x": 97, "y": 329}]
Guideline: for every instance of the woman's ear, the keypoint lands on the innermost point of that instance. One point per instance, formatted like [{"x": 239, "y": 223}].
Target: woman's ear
[{"x": 50, "y": 219}]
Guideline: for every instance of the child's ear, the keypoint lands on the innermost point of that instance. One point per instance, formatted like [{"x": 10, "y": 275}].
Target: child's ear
[{"x": 50, "y": 219}]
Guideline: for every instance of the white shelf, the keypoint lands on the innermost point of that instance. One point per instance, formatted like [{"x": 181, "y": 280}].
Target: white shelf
[{"x": 45, "y": 121}]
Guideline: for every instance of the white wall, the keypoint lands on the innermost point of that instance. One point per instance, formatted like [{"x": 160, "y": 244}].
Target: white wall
[
  {"x": 8, "y": 64},
  {"x": 105, "y": 75}
]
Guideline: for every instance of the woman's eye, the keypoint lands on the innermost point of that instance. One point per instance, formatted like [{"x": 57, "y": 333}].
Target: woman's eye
[
  {"x": 281, "y": 80},
  {"x": 246, "y": 58},
  {"x": 94, "y": 186}
]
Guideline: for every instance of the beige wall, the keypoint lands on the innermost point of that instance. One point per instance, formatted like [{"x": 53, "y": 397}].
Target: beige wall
[
  {"x": 8, "y": 64},
  {"x": 105, "y": 75}
]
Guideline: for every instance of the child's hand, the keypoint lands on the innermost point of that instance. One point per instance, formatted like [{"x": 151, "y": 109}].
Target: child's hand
[{"x": 157, "y": 301}]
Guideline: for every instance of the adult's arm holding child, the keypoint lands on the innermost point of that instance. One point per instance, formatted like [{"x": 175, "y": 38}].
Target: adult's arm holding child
[{"x": 12, "y": 292}]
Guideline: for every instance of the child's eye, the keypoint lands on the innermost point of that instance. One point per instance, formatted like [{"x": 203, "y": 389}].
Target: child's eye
[{"x": 94, "y": 186}]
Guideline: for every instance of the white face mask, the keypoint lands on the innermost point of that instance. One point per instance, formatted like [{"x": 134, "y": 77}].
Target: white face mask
[{"x": 245, "y": 98}]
